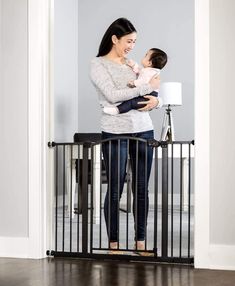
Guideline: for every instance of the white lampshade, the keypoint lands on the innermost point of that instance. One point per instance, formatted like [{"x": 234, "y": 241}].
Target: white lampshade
[{"x": 171, "y": 93}]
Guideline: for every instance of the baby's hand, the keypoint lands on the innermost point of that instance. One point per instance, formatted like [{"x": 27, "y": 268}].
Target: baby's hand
[
  {"x": 130, "y": 63},
  {"x": 133, "y": 65},
  {"x": 131, "y": 83}
]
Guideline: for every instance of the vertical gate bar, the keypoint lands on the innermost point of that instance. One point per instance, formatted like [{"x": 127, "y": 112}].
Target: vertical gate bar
[
  {"x": 56, "y": 196},
  {"x": 109, "y": 194},
  {"x": 63, "y": 198},
  {"x": 172, "y": 198},
  {"x": 181, "y": 194},
  {"x": 71, "y": 198},
  {"x": 127, "y": 195},
  {"x": 165, "y": 200},
  {"x": 118, "y": 193},
  {"x": 86, "y": 146},
  {"x": 189, "y": 198},
  {"x": 136, "y": 192},
  {"x": 146, "y": 195},
  {"x": 78, "y": 179},
  {"x": 100, "y": 228},
  {"x": 155, "y": 199},
  {"x": 91, "y": 198}
]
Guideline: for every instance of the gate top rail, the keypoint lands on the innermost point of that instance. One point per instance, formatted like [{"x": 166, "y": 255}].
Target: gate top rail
[{"x": 89, "y": 143}]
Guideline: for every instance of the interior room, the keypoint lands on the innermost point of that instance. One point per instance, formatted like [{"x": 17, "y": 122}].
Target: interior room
[{"x": 46, "y": 96}]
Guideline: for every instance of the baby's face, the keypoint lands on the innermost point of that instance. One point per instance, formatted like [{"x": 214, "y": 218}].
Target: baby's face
[{"x": 146, "y": 60}]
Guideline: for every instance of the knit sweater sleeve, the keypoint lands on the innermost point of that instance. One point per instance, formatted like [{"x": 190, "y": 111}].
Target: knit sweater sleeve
[{"x": 102, "y": 79}]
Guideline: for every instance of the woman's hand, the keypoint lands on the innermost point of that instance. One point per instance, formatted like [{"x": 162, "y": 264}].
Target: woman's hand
[
  {"x": 155, "y": 82},
  {"x": 150, "y": 104}
]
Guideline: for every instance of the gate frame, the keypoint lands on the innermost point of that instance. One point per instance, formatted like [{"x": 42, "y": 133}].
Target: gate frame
[{"x": 88, "y": 146}]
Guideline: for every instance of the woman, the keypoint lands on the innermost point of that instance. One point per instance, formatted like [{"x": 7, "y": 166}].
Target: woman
[{"x": 110, "y": 75}]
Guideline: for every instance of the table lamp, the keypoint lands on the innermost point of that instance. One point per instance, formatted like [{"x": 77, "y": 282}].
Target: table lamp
[{"x": 171, "y": 94}]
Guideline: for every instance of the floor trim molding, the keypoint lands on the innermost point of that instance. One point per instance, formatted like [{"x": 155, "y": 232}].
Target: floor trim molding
[{"x": 222, "y": 257}]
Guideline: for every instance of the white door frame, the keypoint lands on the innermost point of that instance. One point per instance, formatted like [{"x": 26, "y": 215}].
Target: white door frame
[
  {"x": 202, "y": 139},
  {"x": 40, "y": 125},
  {"x": 41, "y": 129}
]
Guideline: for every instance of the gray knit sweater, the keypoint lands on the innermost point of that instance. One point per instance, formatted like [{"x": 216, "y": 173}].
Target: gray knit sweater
[{"x": 110, "y": 80}]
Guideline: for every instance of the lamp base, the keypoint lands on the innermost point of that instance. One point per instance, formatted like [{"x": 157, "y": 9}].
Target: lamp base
[{"x": 167, "y": 133}]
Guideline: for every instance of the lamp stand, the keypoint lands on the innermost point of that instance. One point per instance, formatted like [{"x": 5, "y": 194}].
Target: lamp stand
[{"x": 167, "y": 133}]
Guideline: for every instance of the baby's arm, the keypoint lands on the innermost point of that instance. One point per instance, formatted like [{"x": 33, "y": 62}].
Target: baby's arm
[{"x": 145, "y": 76}]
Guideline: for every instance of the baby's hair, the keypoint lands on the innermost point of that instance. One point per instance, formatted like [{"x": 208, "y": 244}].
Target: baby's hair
[{"x": 158, "y": 58}]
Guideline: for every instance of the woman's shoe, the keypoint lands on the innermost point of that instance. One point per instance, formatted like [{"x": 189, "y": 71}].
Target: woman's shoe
[
  {"x": 114, "y": 249},
  {"x": 140, "y": 245}
]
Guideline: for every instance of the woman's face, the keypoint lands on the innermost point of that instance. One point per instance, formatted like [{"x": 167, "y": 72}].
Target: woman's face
[{"x": 124, "y": 45}]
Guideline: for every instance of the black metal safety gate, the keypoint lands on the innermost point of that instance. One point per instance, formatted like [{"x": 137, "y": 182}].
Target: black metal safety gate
[{"x": 81, "y": 183}]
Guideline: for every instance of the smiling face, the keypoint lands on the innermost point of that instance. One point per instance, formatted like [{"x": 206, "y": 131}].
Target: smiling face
[{"x": 124, "y": 45}]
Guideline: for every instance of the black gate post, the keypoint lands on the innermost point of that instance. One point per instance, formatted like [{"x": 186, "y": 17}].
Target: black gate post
[
  {"x": 84, "y": 184},
  {"x": 164, "y": 199}
]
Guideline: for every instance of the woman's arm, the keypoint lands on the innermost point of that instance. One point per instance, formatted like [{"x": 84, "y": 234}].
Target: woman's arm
[{"x": 103, "y": 81}]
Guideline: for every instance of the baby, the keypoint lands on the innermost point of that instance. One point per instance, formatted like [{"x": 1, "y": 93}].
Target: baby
[{"x": 154, "y": 60}]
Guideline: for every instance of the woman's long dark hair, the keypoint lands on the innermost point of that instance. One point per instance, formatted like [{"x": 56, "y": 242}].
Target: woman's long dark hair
[{"x": 119, "y": 28}]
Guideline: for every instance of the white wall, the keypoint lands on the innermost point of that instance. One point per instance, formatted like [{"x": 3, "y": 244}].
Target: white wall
[
  {"x": 165, "y": 24},
  {"x": 214, "y": 138},
  {"x": 13, "y": 119},
  {"x": 1, "y": 102},
  {"x": 222, "y": 135}
]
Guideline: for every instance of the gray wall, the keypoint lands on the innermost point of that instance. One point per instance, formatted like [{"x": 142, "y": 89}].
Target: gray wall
[
  {"x": 166, "y": 24},
  {"x": 66, "y": 69},
  {"x": 222, "y": 151},
  {"x": 13, "y": 119}
]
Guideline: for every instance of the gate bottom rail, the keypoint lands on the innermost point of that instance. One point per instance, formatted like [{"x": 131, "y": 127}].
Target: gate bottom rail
[{"x": 124, "y": 257}]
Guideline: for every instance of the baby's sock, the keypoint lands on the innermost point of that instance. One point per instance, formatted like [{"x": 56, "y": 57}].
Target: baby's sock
[{"x": 111, "y": 110}]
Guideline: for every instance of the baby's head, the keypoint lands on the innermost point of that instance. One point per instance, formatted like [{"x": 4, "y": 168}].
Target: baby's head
[{"x": 155, "y": 58}]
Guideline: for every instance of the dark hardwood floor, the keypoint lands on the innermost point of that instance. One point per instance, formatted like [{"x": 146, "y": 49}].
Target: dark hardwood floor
[{"x": 71, "y": 272}]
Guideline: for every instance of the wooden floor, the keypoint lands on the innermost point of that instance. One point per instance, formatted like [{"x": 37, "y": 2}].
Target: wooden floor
[{"x": 71, "y": 272}]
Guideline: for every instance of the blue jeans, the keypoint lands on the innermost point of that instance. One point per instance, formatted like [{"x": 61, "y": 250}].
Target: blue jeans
[{"x": 115, "y": 158}]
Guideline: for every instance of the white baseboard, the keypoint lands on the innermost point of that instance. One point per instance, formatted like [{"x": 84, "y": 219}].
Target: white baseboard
[
  {"x": 16, "y": 247},
  {"x": 222, "y": 257}
]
